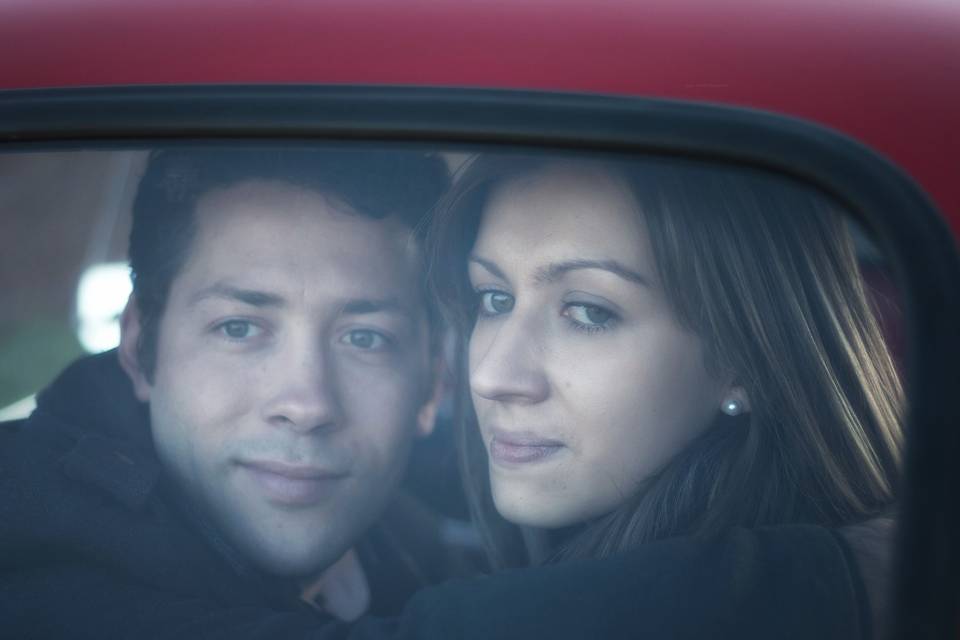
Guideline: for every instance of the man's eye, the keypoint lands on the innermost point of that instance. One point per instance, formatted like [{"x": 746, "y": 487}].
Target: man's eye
[
  {"x": 589, "y": 316},
  {"x": 239, "y": 329},
  {"x": 494, "y": 303},
  {"x": 365, "y": 339}
]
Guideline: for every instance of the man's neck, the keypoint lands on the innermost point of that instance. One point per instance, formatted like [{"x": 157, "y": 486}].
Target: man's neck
[{"x": 341, "y": 589}]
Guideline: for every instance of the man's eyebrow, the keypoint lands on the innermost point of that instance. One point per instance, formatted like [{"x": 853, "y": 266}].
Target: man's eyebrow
[
  {"x": 489, "y": 266},
  {"x": 225, "y": 291},
  {"x": 555, "y": 271},
  {"x": 360, "y": 306}
]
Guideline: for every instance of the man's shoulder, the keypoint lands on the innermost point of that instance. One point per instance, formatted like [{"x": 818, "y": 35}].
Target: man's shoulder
[
  {"x": 85, "y": 443},
  {"x": 9, "y": 435},
  {"x": 71, "y": 494},
  {"x": 81, "y": 491},
  {"x": 85, "y": 535},
  {"x": 30, "y": 481}
]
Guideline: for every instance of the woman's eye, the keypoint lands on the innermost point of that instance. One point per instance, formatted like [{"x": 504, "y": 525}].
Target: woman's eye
[
  {"x": 494, "y": 303},
  {"x": 589, "y": 316},
  {"x": 239, "y": 329},
  {"x": 365, "y": 339}
]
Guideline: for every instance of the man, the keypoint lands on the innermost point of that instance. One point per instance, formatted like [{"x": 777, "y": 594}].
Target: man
[{"x": 231, "y": 459}]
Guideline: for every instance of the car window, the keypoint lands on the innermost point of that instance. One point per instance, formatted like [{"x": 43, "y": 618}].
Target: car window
[
  {"x": 65, "y": 217},
  {"x": 68, "y": 213},
  {"x": 65, "y": 277}
]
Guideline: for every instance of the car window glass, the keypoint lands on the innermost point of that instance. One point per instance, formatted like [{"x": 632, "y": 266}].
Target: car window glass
[{"x": 66, "y": 218}]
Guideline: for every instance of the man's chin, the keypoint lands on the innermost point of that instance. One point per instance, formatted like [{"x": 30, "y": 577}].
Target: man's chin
[{"x": 296, "y": 563}]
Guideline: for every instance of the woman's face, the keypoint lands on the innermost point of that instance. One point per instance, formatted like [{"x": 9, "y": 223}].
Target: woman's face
[{"x": 583, "y": 381}]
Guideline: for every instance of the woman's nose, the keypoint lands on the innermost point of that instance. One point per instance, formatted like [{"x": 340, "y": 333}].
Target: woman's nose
[{"x": 506, "y": 361}]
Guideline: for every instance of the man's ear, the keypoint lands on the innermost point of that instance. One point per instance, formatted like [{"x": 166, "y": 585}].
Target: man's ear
[
  {"x": 427, "y": 416},
  {"x": 128, "y": 353}
]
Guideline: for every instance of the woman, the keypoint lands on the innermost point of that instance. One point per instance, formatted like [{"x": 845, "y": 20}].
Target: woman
[{"x": 659, "y": 349}]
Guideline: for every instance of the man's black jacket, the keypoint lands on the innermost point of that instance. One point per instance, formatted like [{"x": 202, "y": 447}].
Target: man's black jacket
[{"x": 92, "y": 547}]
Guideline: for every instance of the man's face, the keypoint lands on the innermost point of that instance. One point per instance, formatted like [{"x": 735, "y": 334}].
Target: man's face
[{"x": 292, "y": 371}]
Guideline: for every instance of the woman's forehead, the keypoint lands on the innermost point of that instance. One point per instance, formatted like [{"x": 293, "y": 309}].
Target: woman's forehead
[{"x": 564, "y": 212}]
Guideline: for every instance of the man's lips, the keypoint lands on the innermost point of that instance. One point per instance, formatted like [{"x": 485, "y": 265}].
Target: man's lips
[
  {"x": 291, "y": 484},
  {"x": 520, "y": 447},
  {"x": 301, "y": 471}
]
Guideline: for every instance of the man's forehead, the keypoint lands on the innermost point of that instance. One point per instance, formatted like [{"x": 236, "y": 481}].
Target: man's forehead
[
  {"x": 261, "y": 294},
  {"x": 274, "y": 194},
  {"x": 261, "y": 213},
  {"x": 272, "y": 236},
  {"x": 255, "y": 191}
]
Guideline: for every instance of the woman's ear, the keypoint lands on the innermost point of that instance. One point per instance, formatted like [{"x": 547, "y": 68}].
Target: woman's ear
[
  {"x": 735, "y": 401},
  {"x": 128, "y": 353}
]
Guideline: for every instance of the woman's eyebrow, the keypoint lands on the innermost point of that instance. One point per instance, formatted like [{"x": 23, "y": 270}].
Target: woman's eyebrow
[
  {"x": 556, "y": 270},
  {"x": 489, "y": 266}
]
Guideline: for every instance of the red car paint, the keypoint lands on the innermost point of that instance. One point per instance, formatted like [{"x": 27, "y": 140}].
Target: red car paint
[{"x": 883, "y": 72}]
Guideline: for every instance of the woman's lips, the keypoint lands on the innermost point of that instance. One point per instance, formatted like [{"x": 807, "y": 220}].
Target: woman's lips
[
  {"x": 291, "y": 485},
  {"x": 521, "y": 447}
]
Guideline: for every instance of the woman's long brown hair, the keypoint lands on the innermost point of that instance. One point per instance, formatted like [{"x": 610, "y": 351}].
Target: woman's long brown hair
[{"x": 763, "y": 270}]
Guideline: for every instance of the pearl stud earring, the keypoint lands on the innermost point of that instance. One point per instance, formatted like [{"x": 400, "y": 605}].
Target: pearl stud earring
[{"x": 732, "y": 407}]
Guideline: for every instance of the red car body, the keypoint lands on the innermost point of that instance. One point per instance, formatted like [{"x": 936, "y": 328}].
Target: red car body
[{"x": 882, "y": 71}]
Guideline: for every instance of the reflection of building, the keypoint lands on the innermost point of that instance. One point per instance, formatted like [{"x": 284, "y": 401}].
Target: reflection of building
[
  {"x": 19, "y": 409},
  {"x": 60, "y": 213},
  {"x": 101, "y": 296}
]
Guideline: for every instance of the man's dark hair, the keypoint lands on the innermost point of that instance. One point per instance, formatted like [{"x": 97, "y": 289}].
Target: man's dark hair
[{"x": 372, "y": 182}]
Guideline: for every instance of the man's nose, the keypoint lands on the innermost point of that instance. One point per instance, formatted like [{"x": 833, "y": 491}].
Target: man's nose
[
  {"x": 507, "y": 361},
  {"x": 305, "y": 396}
]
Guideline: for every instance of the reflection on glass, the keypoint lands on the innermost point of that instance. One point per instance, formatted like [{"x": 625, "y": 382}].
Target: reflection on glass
[
  {"x": 19, "y": 409},
  {"x": 101, "y": 296}
]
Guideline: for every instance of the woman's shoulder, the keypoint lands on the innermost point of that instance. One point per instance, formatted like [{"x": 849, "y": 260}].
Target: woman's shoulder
[
  {"x": 870, "y": 544},
  {"x": 781, "y": 581}
]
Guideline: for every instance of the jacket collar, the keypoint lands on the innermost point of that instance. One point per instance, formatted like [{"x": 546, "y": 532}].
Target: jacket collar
[{"x": 91, "y": 407}]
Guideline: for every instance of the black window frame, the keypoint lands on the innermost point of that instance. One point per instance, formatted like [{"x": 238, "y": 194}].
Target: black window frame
[{"x": 906, "y": 224}]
